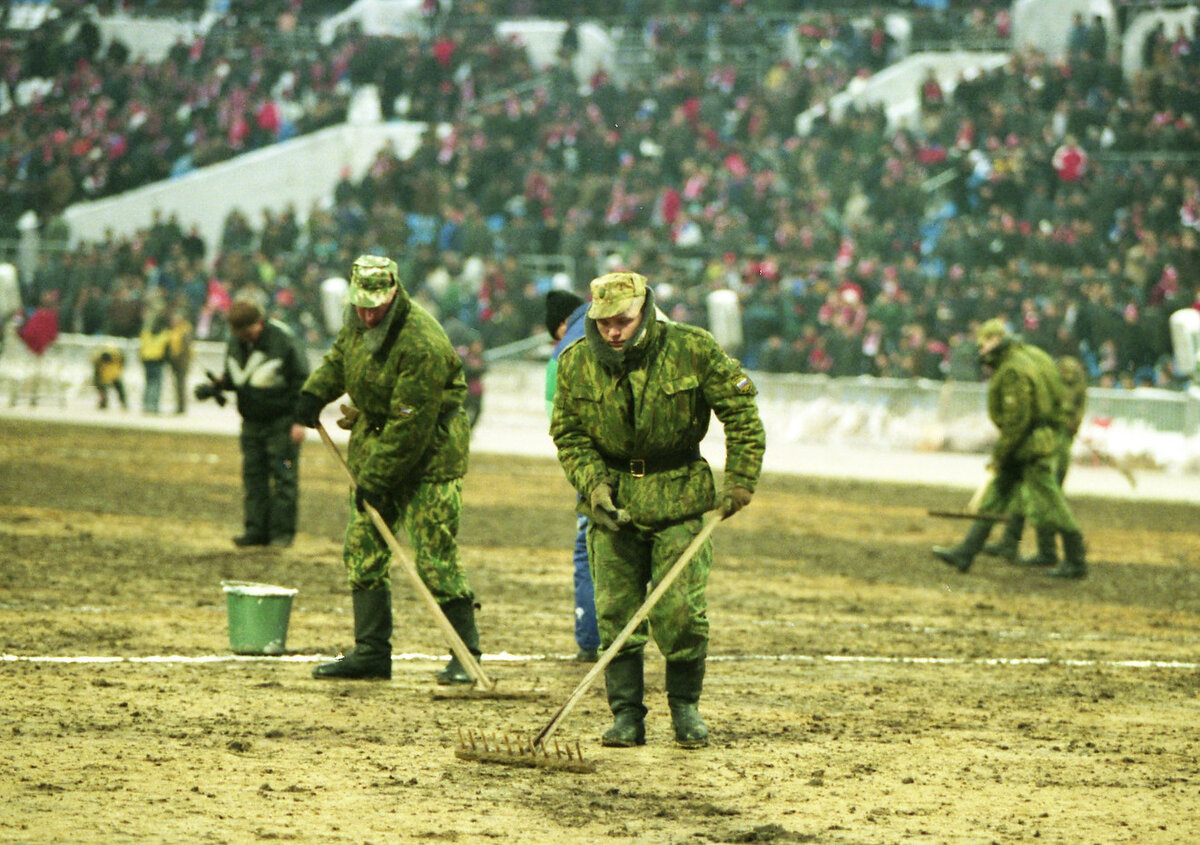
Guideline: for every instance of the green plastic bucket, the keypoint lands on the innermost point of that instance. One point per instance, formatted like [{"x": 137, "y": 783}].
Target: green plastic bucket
[{"x": 258, "y": 616}]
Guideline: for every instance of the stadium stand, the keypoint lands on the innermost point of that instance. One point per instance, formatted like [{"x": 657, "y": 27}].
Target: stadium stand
[{"x": 1057, "y": 190}]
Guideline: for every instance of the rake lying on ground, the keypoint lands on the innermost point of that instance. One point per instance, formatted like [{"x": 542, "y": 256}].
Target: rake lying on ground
[
  {"x": 483, "y": 687},
  {"x": 517, "y": 750}
]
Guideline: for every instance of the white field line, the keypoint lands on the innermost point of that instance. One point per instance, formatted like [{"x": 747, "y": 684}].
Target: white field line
[{"x": 505, "y": 657}]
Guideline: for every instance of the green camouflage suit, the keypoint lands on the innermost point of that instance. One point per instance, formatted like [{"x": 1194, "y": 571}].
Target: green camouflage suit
[
  {"x": 652, "y": 403},
  {"x": 1026, "y": 403},
  {"x": 1074, "y": 380},
  {"x": 411, "y": 439}
]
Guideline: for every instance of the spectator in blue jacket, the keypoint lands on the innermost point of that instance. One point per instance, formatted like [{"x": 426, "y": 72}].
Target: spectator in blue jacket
[{"x": 564, "y": 320}]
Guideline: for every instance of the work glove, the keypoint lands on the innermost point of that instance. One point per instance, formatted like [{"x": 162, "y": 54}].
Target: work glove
[
  {"x": 206, "y": 390},
  {"x": 308, "y": 410},
  {"x": 606, "y": 514},
  {"x": 209, "y": 390},
  {"x": 380, "y": 501},
  {"x": 349, "y": 415},
  {"x": 734, "y": 499}
]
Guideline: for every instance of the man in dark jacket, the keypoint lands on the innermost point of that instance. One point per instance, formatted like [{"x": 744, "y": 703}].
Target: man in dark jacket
[
  {"x": 408, "y": 453},
  {"x": 265, "y": 368}
]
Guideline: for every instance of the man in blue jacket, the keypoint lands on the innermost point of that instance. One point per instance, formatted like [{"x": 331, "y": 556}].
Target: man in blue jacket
[{"x": 564, "y": 320}]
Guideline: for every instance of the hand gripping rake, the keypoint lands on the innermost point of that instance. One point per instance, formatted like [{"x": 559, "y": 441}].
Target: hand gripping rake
[
  {"x": 482, "y": 682},
  {"x": 535, "y": 751}
]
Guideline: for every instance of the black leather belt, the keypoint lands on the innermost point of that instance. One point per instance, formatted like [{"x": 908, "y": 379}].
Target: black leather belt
[{"x": 639, "y": 467}]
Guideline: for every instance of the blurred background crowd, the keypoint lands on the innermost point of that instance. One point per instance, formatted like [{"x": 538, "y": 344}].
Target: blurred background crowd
[{"x": 1061, "y": 193}]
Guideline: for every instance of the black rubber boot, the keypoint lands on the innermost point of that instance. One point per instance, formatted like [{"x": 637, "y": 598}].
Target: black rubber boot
[
  {"x": 461, "y": 613},
  {"x": 1008, "y": 546},
  {"x": 963, "y": 555},
  {"x": 685, "y": 680},
  {"x": 1074, "y": 564},
  {"x": 625, "y": 683},
  {"x": 372, "y": 654},
  {"x": 1047, "y": 549}
]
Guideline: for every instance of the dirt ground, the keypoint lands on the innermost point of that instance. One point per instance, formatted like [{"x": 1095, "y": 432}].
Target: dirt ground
[{"x": 859, "y": 691}]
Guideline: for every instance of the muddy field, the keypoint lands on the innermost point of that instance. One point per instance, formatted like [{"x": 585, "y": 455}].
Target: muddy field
[{"x": 859, "y": 691}]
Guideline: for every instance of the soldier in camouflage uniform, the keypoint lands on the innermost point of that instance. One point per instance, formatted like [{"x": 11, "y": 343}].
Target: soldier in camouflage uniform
[
  {"x": 634, "y": 398},
  {"x": 1074, "y": 379},
  {"x": 1026, "y": 403},
  {"x": 408, "y": 453}
]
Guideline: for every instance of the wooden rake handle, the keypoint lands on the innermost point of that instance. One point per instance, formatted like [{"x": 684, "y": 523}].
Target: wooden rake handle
[
  {"x": 711, "y": 519},
  {"x": 457, "y": 646}
]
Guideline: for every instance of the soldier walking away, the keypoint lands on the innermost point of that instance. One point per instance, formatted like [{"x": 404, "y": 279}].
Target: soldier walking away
[
  {"x": 408, "y": 452},
  {"x": 1026, "y": 403},
  {"x": 265, "y": 369},
  {"x": 634, "y": 398},
  {"x": 1074, "y": 379}
]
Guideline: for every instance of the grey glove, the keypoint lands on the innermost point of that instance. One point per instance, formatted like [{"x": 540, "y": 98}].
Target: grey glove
[
  {"x": 349, "y": 416},
  {"x": 604, "y": 512},
  {"x": 734, "y": 500}
]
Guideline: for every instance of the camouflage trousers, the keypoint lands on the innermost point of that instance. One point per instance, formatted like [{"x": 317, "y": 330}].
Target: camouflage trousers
[
  {"x": 1063, "y": 456},
  {"x": 625, "y": 565},
  {"x": 1031, "y": 488},
  {"x": 429, "y": 514}
]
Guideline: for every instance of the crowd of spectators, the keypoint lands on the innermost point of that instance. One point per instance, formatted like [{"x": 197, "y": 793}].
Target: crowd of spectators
[{"x": 1071, "y": 208}]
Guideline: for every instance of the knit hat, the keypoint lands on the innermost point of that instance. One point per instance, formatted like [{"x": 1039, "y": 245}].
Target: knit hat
[
  {"x": 560, "y": 304},
  {"x": 373, "y": 279},
  {"x": 613, "y": 293}
]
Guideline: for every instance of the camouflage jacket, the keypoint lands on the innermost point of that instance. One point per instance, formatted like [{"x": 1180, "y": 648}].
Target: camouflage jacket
[
  {"x": 407, "y": 382},
  {"x": 266, "y": 375},
  {"x": 1025, "y": 401},
  {"x": 1074, "y": 379},
  {"x": 637, "y": 422}
]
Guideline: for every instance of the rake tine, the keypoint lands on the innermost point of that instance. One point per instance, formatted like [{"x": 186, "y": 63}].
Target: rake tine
[
  {"x": 578, "y": 750},
  {"x": 461, "y": 742},
  {"x": 507, "y": 744},
  {"x": 557, "y": 750}
]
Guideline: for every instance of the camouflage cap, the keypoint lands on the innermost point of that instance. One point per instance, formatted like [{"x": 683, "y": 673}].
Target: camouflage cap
[
  {"x": 613, "y": 293},
  {"x": 373, "y": 279},
  {"x": 1071, "y": 369},
  {"x": 993, "y": 329}
]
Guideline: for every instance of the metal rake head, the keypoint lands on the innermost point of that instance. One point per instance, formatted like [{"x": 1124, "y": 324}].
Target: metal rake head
[{"x": 520, "y": 750}]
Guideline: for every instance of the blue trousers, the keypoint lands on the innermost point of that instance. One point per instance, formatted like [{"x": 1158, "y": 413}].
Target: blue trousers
[{"x": 587, "y": 634}]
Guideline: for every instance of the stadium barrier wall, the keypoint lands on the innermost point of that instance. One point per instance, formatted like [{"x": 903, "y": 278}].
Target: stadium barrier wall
[{"x": 806, "y": 406}]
